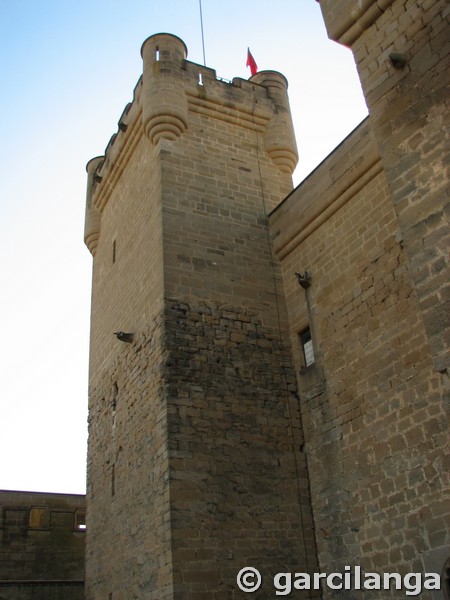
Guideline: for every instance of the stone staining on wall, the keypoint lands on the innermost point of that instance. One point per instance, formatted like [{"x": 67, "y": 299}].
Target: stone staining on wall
[
  {"x": 41, "y": 546},
  {"x": 195, "y": 461}
]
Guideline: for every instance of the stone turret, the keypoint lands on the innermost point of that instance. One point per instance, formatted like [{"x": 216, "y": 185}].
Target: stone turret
[
  {"x": 164, "y": 103},
  {"x": 279, "y": 137},
  {"x": 92, "y": 217}
]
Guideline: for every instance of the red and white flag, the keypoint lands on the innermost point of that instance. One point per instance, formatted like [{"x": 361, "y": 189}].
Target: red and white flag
[{"x": 251, "y": 63}]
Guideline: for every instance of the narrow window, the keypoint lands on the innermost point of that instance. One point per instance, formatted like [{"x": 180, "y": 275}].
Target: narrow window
[
  {"x": 113, "y": 481},
  {"x": 307, "y": 347},
  {"x": 200, "y": 79},
  {"x": 114, "y": 252},
  {"x": 157, "y": 54},
  {"x": 115, "y": 396},
  {"x": 80, "y": 520}
]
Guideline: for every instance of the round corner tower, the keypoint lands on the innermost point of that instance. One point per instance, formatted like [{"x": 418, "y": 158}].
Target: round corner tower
[
  {"x": 193, "y": 460},
  {"x": 164, "y": 103}
]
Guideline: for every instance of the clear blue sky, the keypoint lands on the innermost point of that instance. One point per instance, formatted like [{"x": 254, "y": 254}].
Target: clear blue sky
[{"x": 68, "y": 69}]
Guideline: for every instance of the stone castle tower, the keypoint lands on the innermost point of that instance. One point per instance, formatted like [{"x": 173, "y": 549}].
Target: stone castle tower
[{"x": 195, "y": 459}]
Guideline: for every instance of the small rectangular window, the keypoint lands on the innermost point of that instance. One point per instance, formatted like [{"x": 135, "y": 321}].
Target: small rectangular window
[
  {"x": 307, "y": 347},
  {"x": 80, "y": 520},
  {"x": 39, "y": 517}
]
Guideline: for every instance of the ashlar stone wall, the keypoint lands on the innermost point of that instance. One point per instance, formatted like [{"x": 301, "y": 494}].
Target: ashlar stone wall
[{"x": 372, "y": 403}]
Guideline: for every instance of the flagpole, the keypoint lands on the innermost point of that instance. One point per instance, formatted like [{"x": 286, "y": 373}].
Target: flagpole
[{"x": 203, "y": 36}]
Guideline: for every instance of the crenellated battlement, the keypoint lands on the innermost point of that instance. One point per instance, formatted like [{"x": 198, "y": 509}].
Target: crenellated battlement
[{"x": 171, "y": 89}]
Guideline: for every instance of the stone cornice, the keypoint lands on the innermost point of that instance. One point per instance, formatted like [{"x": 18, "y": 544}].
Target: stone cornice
[
  {"x": 219, "y": 110},
  {"x": 348, "y": 19}
]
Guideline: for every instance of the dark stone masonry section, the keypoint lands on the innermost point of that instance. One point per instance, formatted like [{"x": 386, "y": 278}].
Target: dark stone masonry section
[{"x": 238, "y": 476}]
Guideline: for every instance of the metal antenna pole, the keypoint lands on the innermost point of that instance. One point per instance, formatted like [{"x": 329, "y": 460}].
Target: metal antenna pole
[{"x": 203, "y": 36}]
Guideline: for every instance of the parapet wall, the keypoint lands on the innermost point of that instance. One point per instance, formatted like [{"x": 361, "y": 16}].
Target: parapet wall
[{"x": 41, "y": 546}]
